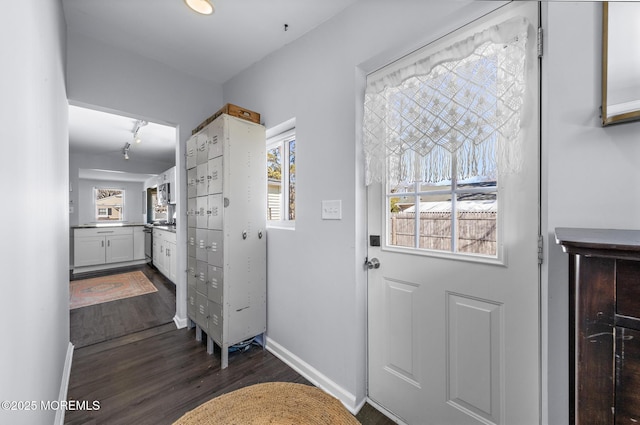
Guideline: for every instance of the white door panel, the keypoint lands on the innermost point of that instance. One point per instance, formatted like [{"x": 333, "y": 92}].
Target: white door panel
[{"x": 454, "y": 339}]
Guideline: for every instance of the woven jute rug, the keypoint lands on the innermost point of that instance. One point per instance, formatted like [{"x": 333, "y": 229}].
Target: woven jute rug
[
  {"x": 274, "y": 403},
  {"x": 103, "y": 289}
]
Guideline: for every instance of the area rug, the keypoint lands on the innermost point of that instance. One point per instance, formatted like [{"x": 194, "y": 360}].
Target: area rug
[
  {"x": 275, "y": 403},
  {"x": 98, "y": 290}
]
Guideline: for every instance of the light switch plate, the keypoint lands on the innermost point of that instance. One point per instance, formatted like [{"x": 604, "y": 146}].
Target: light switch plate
[{"x": 332, "y": 210}]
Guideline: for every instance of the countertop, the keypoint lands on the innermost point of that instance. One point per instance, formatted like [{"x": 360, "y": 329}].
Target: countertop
[{"x": 168, "y": 228}]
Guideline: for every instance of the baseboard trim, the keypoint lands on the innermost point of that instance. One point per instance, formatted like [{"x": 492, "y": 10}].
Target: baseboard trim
[
  {"x": 181, "y": 322},
  {"x": 84, "y": 269},
  {"x": 314, "y": 376},
  {"x": 64, "y": 384}
]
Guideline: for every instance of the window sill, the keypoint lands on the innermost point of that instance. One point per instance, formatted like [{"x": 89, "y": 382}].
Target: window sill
[{"x": 282, "y": 225}]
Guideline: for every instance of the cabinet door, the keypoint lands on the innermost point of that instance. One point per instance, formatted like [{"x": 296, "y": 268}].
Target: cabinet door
[
  {"x": 202, "y": 179},
  {"x": 203, "y": 148},
  {"x": 191, "y": 301},
  {"x": 119, "y": 248},
  {"x": 215, "y": 206},
  {"x": 192, "y": 149},
  {"x": 192, "y": 217},
  {"x": 158, "y": 250},
  {"x": 202, "y": 207},
  {"x": 215, "y": 132},
  {"x": 170, "y": 261},
  {"x": 202, "y": 311},
  {"x": 214, "y": 170},
  {"x": 192, "y": 176},
  {"x": 88, "y": 251}
]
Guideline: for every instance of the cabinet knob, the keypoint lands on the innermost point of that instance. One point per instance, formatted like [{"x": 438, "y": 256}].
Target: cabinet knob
[{"x": 244, "y": 235}]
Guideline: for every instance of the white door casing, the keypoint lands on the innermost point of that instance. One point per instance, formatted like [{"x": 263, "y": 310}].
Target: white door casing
[{"x": 453, "y": 341}]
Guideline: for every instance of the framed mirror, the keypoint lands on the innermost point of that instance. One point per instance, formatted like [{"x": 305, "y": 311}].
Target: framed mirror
[{"x": 620, "y": 62}]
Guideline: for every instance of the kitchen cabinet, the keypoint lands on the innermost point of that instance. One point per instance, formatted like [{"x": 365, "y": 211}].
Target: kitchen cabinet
[
  {"x": 604, "y": 325},
  {"x": 164, "y": 253},
  {"x": 95, "y": 246},
  {"x": 226, "y": 239}
]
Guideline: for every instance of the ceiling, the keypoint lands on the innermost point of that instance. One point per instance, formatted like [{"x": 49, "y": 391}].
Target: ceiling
[
  {"x": 98, "y": 132},
  {"x": 213, "y": 48}
]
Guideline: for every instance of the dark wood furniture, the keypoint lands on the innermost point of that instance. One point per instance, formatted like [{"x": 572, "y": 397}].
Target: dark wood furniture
[{"x": 604, "y": 325}]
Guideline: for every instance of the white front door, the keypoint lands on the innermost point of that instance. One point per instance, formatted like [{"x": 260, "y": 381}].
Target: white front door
[{"x": 454, "y": 337}]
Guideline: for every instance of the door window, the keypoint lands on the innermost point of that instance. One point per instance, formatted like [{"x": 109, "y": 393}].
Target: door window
[{"x": 439, "y": 133}]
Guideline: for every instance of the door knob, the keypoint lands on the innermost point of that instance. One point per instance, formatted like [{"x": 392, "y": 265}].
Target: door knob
[{"x": 374, "y": 263}]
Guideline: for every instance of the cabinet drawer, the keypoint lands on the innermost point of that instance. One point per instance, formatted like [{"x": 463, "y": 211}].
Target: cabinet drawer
[
  {"x": 102, "y": 231},
  {"x": 628, "y": 288}
]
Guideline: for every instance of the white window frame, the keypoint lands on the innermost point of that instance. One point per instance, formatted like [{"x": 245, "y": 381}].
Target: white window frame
[
  {"x": 280, "y": 136},
  {"x": 95, "y": 204}
]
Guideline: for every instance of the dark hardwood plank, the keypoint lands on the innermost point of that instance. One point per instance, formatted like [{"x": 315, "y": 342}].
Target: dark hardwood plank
[
  {"x": 156, "y": 375},
  {"x": 158, "y": 379}
]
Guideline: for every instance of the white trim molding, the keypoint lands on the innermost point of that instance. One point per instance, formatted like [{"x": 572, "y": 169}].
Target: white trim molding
[
  {"x": 181, "y": 322},
  {"x": 64, "y": 384},
  {"x": 315, "y": 376}
]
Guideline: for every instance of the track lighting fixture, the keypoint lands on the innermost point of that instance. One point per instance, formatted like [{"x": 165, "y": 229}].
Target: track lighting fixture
[
  {"x": 136, "y": 128},
  {"x": 203, "y": 7},
  {"x": 125, "y": 150}
]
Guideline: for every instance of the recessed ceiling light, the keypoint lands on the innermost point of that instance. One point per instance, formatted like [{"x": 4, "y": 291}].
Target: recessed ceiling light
[{"x": 203, "y": 7}]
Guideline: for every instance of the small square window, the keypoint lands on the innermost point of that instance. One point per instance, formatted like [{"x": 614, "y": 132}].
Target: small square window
[{"x": 109, "y": 204}]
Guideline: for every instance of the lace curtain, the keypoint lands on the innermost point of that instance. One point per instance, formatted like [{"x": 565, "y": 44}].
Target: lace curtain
[{"x": 462, "y": 104}]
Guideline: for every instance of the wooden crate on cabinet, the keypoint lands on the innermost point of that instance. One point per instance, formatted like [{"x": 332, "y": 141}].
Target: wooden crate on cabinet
[{"x": 232, "y": 110}]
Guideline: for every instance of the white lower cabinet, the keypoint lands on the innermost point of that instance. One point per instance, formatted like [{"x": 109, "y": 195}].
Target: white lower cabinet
[
  {"x": 164, "y": 253},
  {"x": 95, "y": 246}
]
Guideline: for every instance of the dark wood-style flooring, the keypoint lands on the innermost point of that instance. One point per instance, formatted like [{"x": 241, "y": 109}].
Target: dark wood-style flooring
[
  {"x": 155, "y": 375},
  {"x": 102, "y": 322}
]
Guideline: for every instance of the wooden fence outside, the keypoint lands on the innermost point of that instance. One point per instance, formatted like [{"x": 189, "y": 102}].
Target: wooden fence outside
[{"x": 476, "y": 231}]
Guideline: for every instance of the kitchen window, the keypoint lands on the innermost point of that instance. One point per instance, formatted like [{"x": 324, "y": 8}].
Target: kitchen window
[
  {"x": 109, "y": 204},
  {"x": 281, "y": 179}
]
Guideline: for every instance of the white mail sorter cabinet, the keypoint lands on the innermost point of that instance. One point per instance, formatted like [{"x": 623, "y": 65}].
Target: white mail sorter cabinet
[{"x": 226, "y": 240}]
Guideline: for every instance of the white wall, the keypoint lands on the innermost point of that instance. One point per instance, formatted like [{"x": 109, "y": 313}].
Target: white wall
[
  {"x": 591, "y": 174},
  {"x": 33, "y": 169},
  {"x": 102, "y": 76},
  {"x": 316, "y": 278}
]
